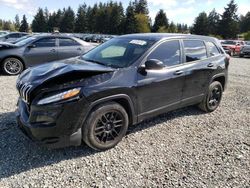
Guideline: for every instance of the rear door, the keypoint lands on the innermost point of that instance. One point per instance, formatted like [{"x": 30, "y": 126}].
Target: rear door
[
  {"x": 68, "y": 47},
  {"x": 161, "y": 89},
  {"x": 41, "y": 51},
  {"x": 198, "y": 70}
]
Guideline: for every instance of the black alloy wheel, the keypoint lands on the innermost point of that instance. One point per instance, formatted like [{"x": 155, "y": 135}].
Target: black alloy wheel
[
  {"x": 213, "y": 97},
  {"x": 106, "y": 126}
]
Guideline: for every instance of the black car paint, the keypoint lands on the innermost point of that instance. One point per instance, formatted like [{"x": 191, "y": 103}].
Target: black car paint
[{"x": 142, "y": 93}]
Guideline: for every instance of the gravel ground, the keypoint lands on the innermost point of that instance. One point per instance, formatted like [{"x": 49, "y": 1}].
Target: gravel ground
[{"x": 184, "y": 148}]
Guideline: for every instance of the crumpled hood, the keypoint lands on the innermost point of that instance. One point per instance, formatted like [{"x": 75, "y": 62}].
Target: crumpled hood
[{"x": 40, "y": 74}]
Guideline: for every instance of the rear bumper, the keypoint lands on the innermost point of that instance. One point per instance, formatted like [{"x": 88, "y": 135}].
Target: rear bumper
[{"x": 55, "y": 126}]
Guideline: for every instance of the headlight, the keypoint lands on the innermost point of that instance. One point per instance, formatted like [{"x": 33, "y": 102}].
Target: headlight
[{"x": 61, "y": 96}]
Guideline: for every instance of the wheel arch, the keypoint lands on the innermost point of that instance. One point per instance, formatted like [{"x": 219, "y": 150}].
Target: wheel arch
[
  {"x": 220, "y": 78},
  {"x": 122, "y": 99}
]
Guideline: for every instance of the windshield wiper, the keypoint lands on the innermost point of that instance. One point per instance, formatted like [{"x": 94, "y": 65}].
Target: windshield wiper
[{"x": 94, "y": 61}]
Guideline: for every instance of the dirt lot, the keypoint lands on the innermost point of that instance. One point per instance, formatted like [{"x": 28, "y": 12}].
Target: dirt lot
[{"x": 185, "y": 148}]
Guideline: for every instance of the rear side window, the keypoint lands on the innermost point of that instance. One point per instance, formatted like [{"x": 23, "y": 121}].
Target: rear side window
[
  {"x": 67, "y": 42},
  {"x": 46, "y": 42},
  {"x": 212, "y": 49},
  {"x": 194, "y": 50},
  {"x": 167, "y": 52}
]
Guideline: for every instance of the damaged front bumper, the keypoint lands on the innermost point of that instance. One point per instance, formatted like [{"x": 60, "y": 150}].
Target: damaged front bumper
[{"x": 54, "y": 125}]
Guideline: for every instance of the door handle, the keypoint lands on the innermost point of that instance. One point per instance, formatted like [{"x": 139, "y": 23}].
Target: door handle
[
  {"x": 79, "y": 49},
  {"x": 178, "y": 72},
  {"x": 53, "y": 50},
  {"x": 210, "y": 65}
]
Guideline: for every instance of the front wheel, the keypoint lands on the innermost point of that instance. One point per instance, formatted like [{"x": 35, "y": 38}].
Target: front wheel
[
  {"x": 12, "y": 66},
  {"x": 213, "y": 97},
  {"x": 106, "y": 126}
]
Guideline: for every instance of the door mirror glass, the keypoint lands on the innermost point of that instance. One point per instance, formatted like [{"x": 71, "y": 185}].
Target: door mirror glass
[{"x": 154, "y": 64}]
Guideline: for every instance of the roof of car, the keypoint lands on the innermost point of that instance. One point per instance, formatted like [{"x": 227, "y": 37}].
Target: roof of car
[{"x": 159, "y": 36}]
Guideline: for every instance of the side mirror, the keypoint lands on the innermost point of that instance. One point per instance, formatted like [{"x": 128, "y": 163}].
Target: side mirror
[
  {"x": 154, "y": 64},
  {"x": 6, "y": 37},
  {"x": 31, "y": 46}
]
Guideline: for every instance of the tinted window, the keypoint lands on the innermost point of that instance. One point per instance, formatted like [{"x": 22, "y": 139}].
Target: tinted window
[
  {"x": 68, "y": 42},
  {"x": 167, "y": 52},
  {"x": 194, "y": 50},
  {"x": 212, "y": 49},
  {"x": 13, "y": 35},
  {"x": 46, "y": 42}
]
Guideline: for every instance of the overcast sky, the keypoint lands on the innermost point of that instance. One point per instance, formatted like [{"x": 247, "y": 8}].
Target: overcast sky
[{"x": 181, "y": 11}]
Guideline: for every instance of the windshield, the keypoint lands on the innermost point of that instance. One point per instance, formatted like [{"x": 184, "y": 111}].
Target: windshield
[
  {"x": 25, "y": 41},
  {"x": 118, "y": 52},
  {"x": 22, "y": 38},
  {"x": 228, "y": 42}
]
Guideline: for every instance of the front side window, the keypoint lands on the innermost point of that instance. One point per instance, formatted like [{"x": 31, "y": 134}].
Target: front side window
[
  {"x": 194, "y": 50},
  {"x": 14, "y": 35},
  {"x": 67, "y": 42},
  {"x": 212, "y": 49},
  {"x": 46, "y": 42},
  {"x": 167, "y": 52},
  {"x": 118, "y": 52}
]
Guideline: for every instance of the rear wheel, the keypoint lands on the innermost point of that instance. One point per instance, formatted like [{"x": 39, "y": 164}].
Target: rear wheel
[
  {"x": 106, "y": 126},
  {"x": 12, "y": 66},
  {"x": 212, "y": 100}
]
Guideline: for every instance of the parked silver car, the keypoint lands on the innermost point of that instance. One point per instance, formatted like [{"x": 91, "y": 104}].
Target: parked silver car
[
  {"x": 11, "y": 37},
  {"x": 38, "y": 49},
  {"x": 245, "y": 50}
]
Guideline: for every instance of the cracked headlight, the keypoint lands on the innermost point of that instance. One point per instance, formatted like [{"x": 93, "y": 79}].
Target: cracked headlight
[{"x": 60, "y": 96}]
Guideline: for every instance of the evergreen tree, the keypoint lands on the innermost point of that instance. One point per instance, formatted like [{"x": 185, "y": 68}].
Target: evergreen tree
[
  {"x": 68, "y": 21},
  {"x": 51, "y": 22},
  {"x": 172, "y": 28},
  {"x": 245, "y": 22},
  {"x": 213, "y": 22},
  {"x": 200, "y": 26},
  {"x": 81, "y": 20},
  {"x": 130, "y": 21},
  {"x": 39, "y": 22},
  {"x": 17, "y": 22},
  {"x": 229, "y": 24},
  {"x": 24, "y": 27},
  {"x": 141, "y": 7},
  {"x": 160, "y": 21},
  {"x": 142, "y": 23},
  {"x": 116, "y": 19}
]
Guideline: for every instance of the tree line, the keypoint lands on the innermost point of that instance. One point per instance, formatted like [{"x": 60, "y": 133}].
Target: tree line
[
  {"x": 112, "y": 18},
  {"x": 227, "y": 25}
]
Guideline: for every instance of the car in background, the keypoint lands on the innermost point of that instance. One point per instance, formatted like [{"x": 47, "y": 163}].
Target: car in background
[
  {"x": 232, "y": 47},
  {"x": 38, "y": 49},
  {"x": 245, "y": 49},
  {"x": 11, "y": 37},
  {"x": 3, "y": 32}
]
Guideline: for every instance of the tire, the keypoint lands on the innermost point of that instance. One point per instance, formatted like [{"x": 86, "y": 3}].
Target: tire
[
  {"x": 241, "y": 55},
  {"x": 105, "y": 127},
  {"x": 213, "y": 97},
  {"x": 12, "y": 66}
]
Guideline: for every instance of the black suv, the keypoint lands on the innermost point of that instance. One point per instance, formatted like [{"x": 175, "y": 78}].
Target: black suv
[{"x": 96, "y": 97}]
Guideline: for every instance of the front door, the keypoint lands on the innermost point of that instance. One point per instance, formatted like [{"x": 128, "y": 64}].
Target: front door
[
  {"x": 159, "y": 90},
  {"x": 41, "y": 51}
]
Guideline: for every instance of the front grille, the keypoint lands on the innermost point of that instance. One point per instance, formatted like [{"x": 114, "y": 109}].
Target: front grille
[{"x": 24, "y": 90}]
